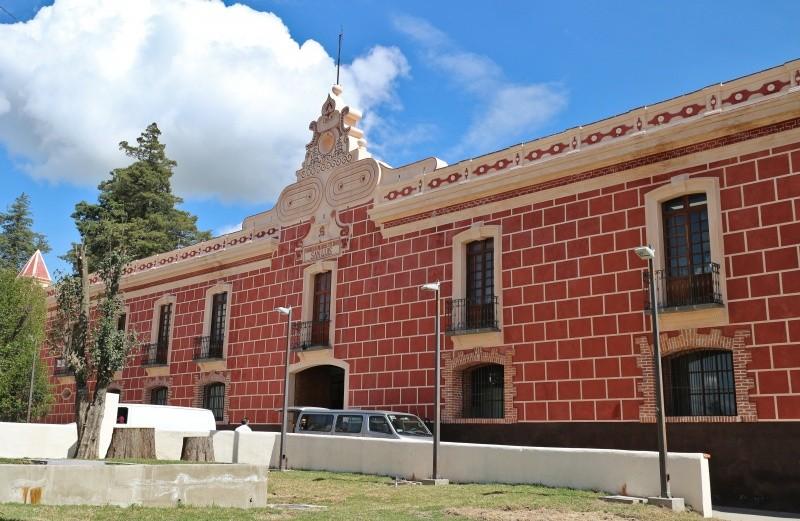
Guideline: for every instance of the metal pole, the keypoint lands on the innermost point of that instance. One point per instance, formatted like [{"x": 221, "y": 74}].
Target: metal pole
[
  {"x": 30, "y": 390},
  {"x": 438, "y": 394},
  {"x": 281, "y": 462},
  {"x": 659, "y": 381}
]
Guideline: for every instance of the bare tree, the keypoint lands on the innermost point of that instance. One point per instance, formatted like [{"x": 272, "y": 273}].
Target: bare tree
[{"x": 92, "y": 347}]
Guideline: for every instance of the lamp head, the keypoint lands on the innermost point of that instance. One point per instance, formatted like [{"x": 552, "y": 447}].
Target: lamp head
[
  {"x": 431, "y": 286},
  {"x": 284, "y": 311},
  {"x": 645, "y": 252}
]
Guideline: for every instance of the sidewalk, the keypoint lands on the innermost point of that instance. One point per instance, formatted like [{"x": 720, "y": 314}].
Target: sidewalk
[{"x": 743, "y": 514}]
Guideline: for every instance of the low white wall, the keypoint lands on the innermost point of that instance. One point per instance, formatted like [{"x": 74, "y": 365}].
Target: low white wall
[
  {"x": 38, "y": 440},
  {"x": 615, "y": 471},
  {"x": 92, "y": 483}
]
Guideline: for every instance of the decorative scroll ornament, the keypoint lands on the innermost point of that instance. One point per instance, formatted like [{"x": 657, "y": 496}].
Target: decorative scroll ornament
[{"x": 336, "y": 141}]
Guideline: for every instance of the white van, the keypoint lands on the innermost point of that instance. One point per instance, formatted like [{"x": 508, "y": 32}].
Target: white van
[
  {"x": 357, "y": 422},
  {"x": 165, "y": 417}
]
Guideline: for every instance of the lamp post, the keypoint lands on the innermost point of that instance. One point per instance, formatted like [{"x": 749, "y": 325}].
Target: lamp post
[
  {"x": 648, "y": 253},
  {"x": 435, "y": 287},
  {"x": 288, "y": 312}
]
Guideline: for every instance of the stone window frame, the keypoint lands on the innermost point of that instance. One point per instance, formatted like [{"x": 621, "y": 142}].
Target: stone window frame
[
  {"x": 478, "y": 231},
  {"x": 216, "y": 289},
  {"x": 686, "y": 341},
  {"x": 154, "y": 323},
  {"x": 205, "y": 379},
  {"x": 307, "y": 302},
  {"x": 456, "y": 363},
  {"x": 654, "y": 219},
  {"x": 155, "y": 383}
]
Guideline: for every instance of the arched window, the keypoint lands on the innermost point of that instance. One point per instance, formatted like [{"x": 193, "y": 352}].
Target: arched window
[
  {"x": 700, "y": 383},
  {"x": 158, "y": 396},
  {"x": 214, "y": 399},
  {"x": 483, "y": 392}
]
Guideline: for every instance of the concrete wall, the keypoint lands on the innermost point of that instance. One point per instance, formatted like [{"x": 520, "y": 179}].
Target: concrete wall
[
  {"x": 45, "y": 440},
  {"x": 239, "y": 486},
  {"x": 37, "y": 440},
  {"x": 616, "y": 471}
]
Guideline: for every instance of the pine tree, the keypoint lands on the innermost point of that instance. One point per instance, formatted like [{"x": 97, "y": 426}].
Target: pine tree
[
  {"x": 136, "y": 209},
  {"x": 17, "y": 240}
]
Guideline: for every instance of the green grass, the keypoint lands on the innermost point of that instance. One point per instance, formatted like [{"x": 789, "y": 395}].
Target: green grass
[{"x": 357, "y": 497}]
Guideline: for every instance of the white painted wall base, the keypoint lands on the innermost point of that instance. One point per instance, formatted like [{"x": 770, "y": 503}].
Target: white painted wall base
[{"x": 240, "y": 486}]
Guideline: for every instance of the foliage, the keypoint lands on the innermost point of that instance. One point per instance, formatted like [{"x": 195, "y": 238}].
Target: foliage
[
  {"x": 91, "y": 346},
  {"x": 22, "y": 317},
  {"x": 136, "y": 207},
  {"x": 17, "y": 240}
]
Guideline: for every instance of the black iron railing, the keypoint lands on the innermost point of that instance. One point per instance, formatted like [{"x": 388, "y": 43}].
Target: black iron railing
[
  {"x": 208, "y": 347},
  {"x": 155, "y": 354},
  {"x": 314, "y": 333},
  {"x": 62, "y": 369},
  {"x": 692, "y": 289},
  {"x": 466, "y": 315}
]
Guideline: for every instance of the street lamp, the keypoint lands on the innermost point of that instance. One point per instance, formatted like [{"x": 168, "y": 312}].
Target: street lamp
[
  {"x": 648, "y": 253},
  {"x": 435, "y": 480},
  {"x": 288, "y": 312}
]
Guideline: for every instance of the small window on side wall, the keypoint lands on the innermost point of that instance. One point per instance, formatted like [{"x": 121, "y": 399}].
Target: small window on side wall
[
  {"x": 700, "y": 383},
  {"x": 484, "y": 388},
  {"x": 158, "y": 396}
]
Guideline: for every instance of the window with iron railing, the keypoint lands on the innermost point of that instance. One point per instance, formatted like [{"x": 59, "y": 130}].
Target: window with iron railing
[
  {"x": 478, "y": 311},
  {"x": 316, "y": 332},
  {"x": 157, "y": 352},
  {"x": 313, "y": 333},
  {"x": 689, "y": 277},
  {"x": 700, "y": 383},
  {"x": 213, "y": 345}
]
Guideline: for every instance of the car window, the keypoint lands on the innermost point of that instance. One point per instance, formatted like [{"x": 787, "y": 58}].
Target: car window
[
  {"x": 379, "y": 424},
  {"x": 349, "y": 423},
  {"x": 316, "y": 423},
  {"x": 408, "y": 425}
]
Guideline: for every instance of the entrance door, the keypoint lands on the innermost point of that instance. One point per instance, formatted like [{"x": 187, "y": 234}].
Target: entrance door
[{"x": 319, "y": 386}]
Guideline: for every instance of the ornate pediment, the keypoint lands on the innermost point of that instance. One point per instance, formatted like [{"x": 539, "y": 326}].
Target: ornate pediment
[{"x": 336, "y": 141}]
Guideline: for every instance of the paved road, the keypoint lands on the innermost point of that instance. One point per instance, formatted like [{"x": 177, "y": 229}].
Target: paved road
[{"x": 741, "y": 514}]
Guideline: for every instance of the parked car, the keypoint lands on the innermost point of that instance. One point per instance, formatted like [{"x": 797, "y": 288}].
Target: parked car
[{"x": 356, "y": 422}]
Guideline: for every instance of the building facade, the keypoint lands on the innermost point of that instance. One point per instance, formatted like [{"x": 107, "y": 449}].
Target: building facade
[{"x": 546, "y": 326}]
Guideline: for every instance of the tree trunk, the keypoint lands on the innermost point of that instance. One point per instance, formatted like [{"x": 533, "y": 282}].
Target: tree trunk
[
  {"x": 89, "y": 432},
  {"x": 197, "y": 448},
  {"x": 133, "y": 442}
]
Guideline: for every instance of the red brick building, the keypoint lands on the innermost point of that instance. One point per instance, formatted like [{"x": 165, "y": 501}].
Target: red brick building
[{"x": 546, "y": 332}]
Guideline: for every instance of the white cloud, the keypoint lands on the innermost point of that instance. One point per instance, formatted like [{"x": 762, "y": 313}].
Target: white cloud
[
  {"x": 504, "y": 110},
  {"x": 230, "y": 88}
]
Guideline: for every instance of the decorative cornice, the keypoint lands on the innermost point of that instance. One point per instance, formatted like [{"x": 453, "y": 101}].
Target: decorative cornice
[{"x": 698, "y": 114}]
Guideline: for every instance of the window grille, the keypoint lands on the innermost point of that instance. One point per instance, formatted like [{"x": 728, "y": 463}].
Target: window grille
[
  {"x": 700, "y": 384},
  {"x": 483, "y": 392},
  {"x": 158, "y": 396},
  {"x": 214, "y": 400}
]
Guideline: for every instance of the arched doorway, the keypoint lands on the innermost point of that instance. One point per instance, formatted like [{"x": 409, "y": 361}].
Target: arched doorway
[{"x": 319, "y": 386}]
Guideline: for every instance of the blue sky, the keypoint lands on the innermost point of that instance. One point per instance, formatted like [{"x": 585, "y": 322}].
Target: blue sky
[{"x": 450, "y": 79}]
